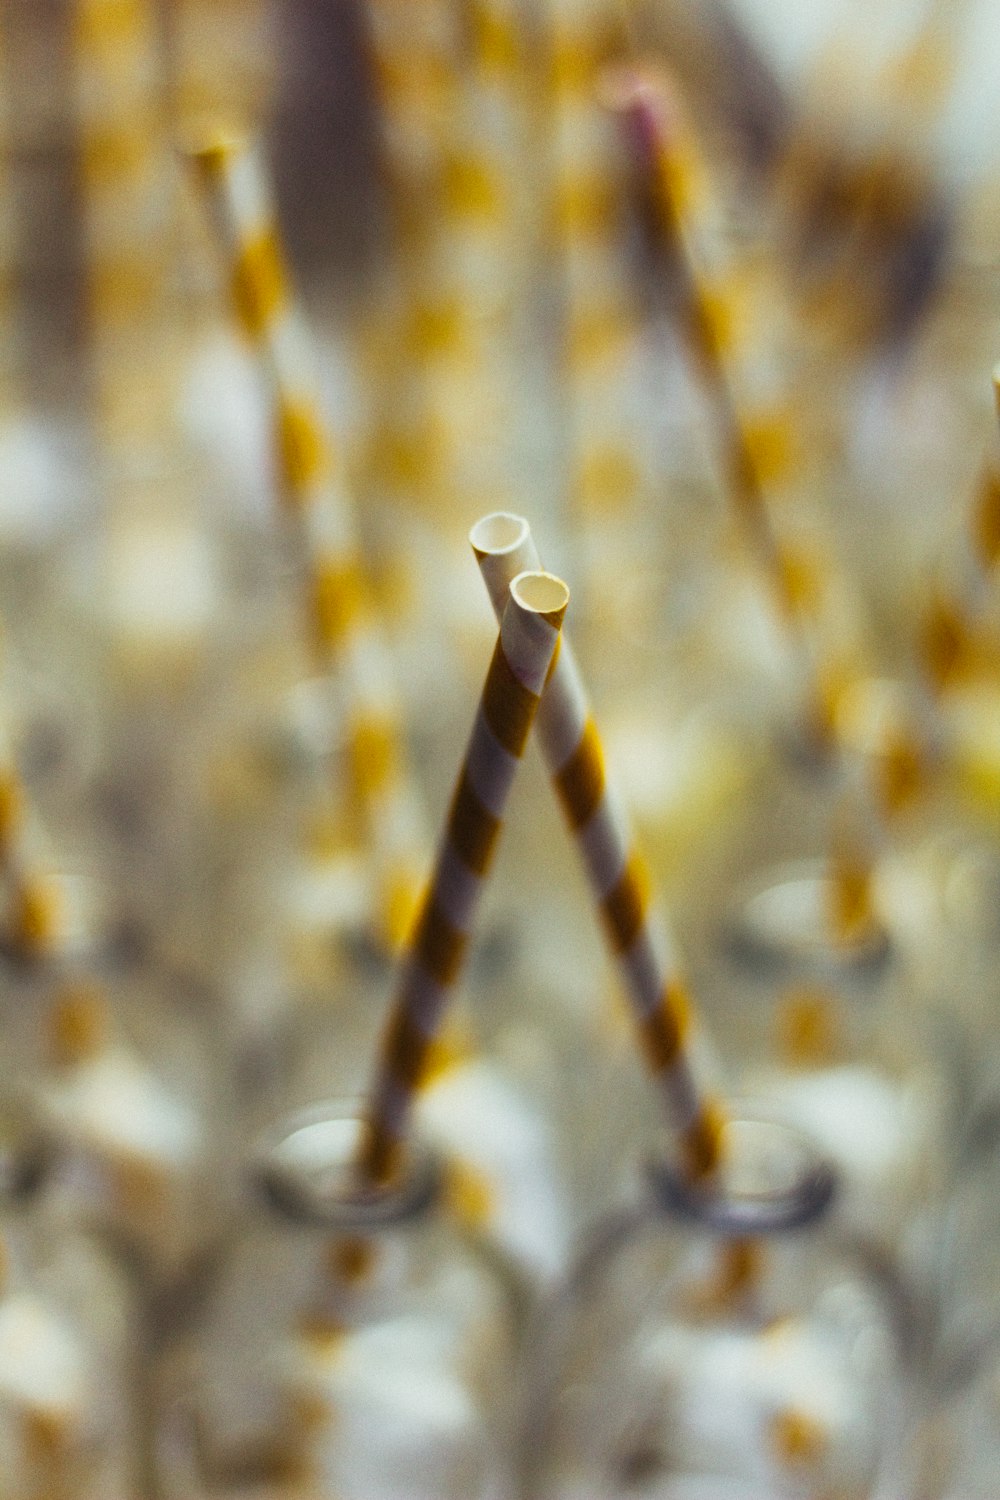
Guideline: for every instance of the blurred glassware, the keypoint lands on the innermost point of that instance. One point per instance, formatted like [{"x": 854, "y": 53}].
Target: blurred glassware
[
  {"x": 378, "y": 1364},
  {"x": 721, "y": 1340}
]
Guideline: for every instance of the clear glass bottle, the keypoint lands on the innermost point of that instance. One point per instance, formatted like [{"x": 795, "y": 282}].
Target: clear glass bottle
[
  {"x": 70, "y": 1374},
  {"x": 721, "y": 1340},
  {"x": 378, "y": 1363}
]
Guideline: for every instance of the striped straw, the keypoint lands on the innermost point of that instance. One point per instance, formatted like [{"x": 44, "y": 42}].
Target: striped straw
[
  {"x": 38, "y": 920},
  {"x": 651, "y": 119},
  {"x": 222, "y": 58},
  {"x": 634, "y": 929},
  {"x": 452, "y": 91},
  {"x": 529, "y": 637},
  {"x": 949, "y": 643},
  {"x": 128, "y": 214},
  {"x": 600, "y": 305},
  {"x": 342, "y": 617}
]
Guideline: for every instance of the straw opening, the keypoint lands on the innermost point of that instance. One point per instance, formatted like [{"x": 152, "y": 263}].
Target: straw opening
[
  {"x": 542, "y": 593},
  {"x": 498, "y": 533}
]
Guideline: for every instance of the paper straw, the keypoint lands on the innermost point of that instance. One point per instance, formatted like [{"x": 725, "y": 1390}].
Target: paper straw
[
  {"x": 600, "y": 312},
  {"x": 222, "y": 59},
  {"x": 634, "y": 929},
  {"x": 452, "y": 91},
  {"x": 949, "y": 638},
  {"x": 128, "y": 212},
  {"x": 529, "y": 636},
  {"x": 342, "y": 619},
  {"x": 651, "y": 118},
  {"x": 37, "y": 918}
]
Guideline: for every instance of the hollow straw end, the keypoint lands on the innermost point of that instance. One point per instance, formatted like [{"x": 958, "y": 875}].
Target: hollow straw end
[
  {"x": 502, "y": 545},
  {"x": 498, "y": 534},
  {"x": 542, "y": 594}
]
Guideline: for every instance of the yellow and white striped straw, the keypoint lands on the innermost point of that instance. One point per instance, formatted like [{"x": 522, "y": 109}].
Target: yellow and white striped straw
[
  {"x": 452, "y": 92},
  {"x": 634, "y": 929},
  {"x": 651, "y": 117},
  {"x": 37, "y": 920},
  {"x": 222, "y": 59},
  {"x": 128, "y": 216},
  {"x": 590, "y": 195},
  {"x": 949, "y": 636},
  {"x": 531, "y": 621},
  {"x": 343, "y": 626}
]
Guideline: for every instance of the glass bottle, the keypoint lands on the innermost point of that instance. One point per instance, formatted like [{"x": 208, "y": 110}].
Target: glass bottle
[
  {"x": 378, "y": 1363},
  {"x": 721, "y": 1340},
  {"x": 70, "y": 1373}
]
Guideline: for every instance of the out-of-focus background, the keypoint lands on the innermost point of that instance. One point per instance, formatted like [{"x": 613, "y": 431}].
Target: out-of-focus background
[{"x": 347, "y": 1149}]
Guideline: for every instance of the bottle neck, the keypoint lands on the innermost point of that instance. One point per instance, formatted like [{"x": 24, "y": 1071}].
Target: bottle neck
[
  {"x": 305, "y": 1170},
  {"x": 771, "y": 1180}
]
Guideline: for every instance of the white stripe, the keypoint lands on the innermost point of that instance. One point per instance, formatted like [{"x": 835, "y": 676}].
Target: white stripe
[
  {"x": 250, "y": 203},
  {"x": 528, "y": 641},
  {"x": 424, "y": 999},
  {"x": 642, "y": 974},
  {"x": 604, "y": 845},
  {"x": 457, "y": 889},
  {"x": 682, "y": 1094},
  {"x": 563, "y": 711},
  {"x": 326, "y": 519}
]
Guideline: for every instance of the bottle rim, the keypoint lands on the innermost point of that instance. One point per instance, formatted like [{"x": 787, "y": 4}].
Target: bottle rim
[
  {"x": 304, "y": 1168},
  {"x": 772, "y": 1179},
  {"x": 773, "y": 926}
]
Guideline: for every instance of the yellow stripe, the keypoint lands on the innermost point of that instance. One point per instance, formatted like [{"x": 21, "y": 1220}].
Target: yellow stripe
[
  {"x": 576, "y": 62},
  {"x": 771, "y": 441},
  {"x": 373, "y": 754},
  {"x": 595, "y": 335},
  {"x": 352, "y": 1258},
  {"x": 586, "y": 205},
  {"x": 702, "y": 1142},
  {"x": 113, "y": 24},
  {"x": 304, "y": 454},
  {"x": 556, "y": 621},
  {"x": 799, "y": 1439},
  {"x": 987, "y": 518},
  {"x": 469, "y": 189},
  {"x": 412, "y": 85},
  {"x": 37, "y": 915},
  {"x": 78, "y": 1026},
  {"x": 399, "y": 894},
  {"x": 115, "y": 158},
  {"x": 258, "y": 283},
  {"x": 945, "y": 643},
  {"x": 609, "y": 478},
  {"x": 11, "y": 806},
  {"x": 435, "y": 328},
  {"x": 580, "y": 783},
  {"x": 472, "y": 829},
  {"x": 901, "y": 774},
  {"x": 212, "y": 159},
  {"x": 469, "y": 1194},
  {"x": 508, "y": 706},
  {"x": 662, "y": 1032},
  {"x": 498, "y": 44},
  {"x": 624, "y": 907},
  {"x": 123, "y": 289},
  {"x": 339, "y": 599},
  {"x": 439, "y": 945}
]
